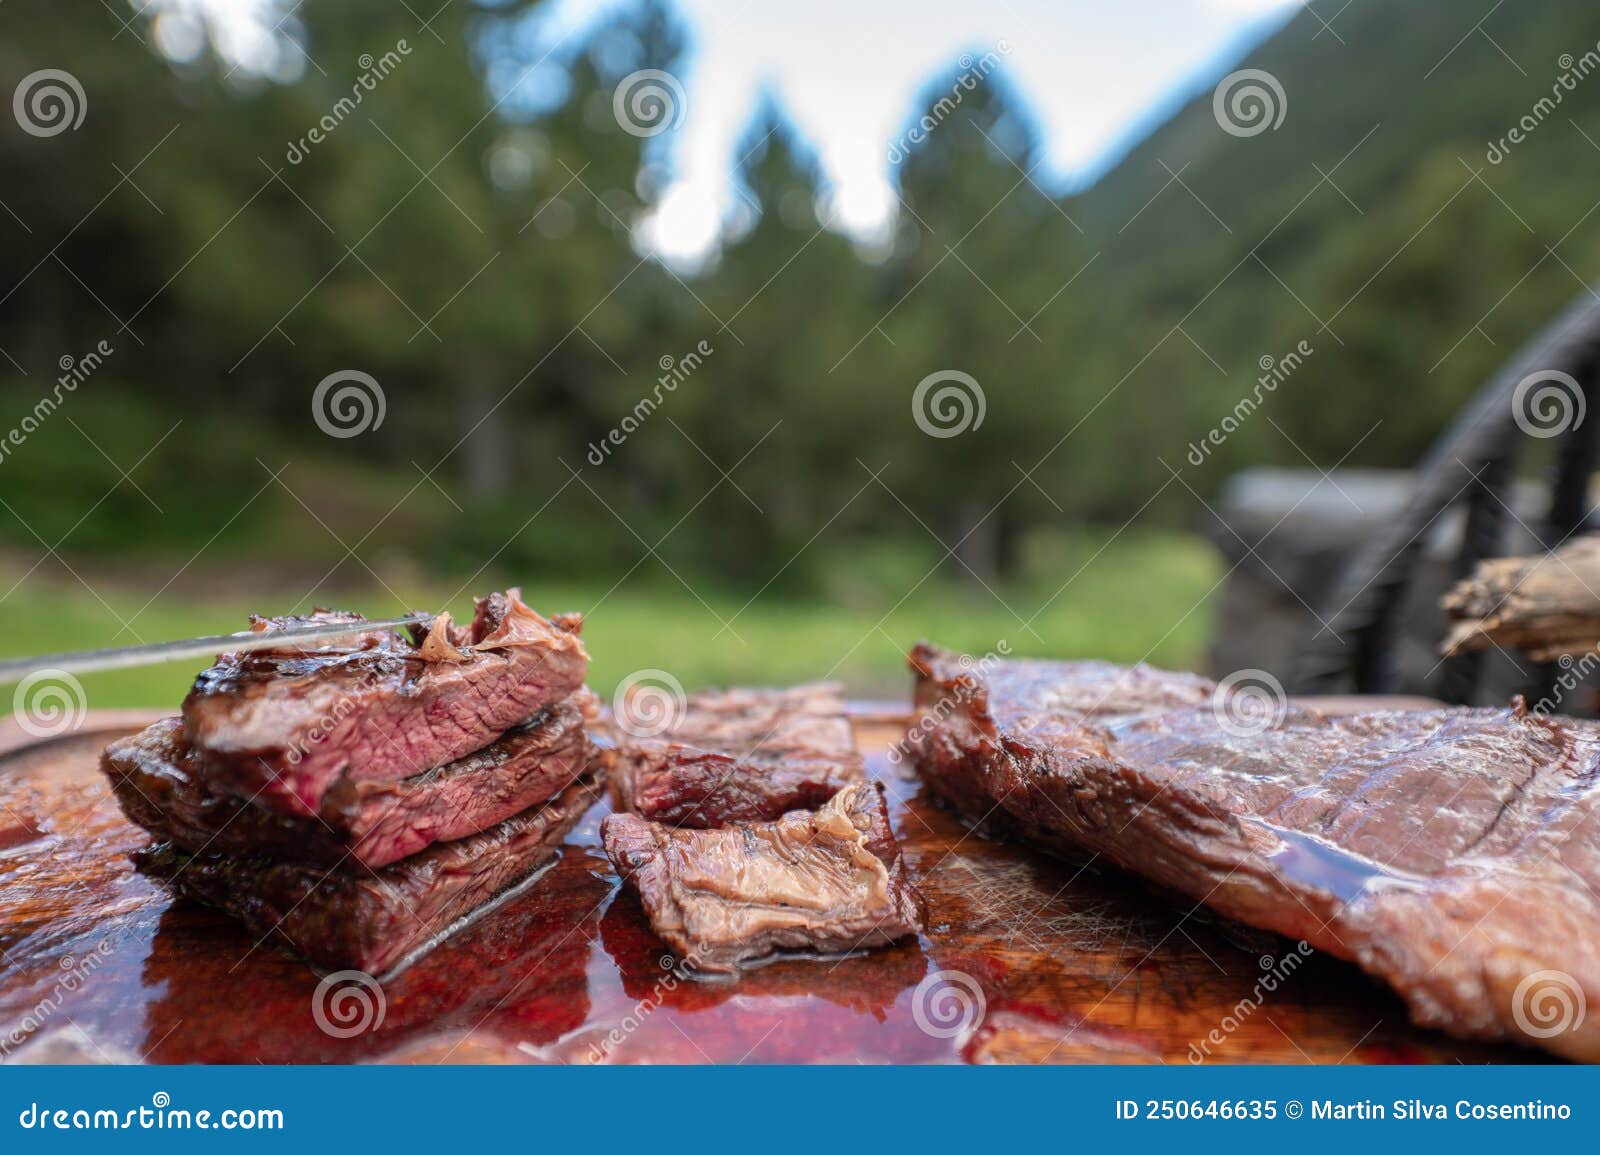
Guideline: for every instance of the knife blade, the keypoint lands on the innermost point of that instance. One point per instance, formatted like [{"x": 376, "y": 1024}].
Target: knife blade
[{"x": 153, "y": 653}]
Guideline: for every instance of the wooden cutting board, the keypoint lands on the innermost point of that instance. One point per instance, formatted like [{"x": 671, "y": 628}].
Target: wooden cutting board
[{"x": 1025, "y": 960}]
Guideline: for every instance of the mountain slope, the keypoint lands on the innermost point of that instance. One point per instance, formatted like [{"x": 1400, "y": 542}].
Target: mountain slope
[{"x": 1389, "y": 221}]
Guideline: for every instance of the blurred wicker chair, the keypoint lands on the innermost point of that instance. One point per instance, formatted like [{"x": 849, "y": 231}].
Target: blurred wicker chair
[{"x": 1548, "y": 390}]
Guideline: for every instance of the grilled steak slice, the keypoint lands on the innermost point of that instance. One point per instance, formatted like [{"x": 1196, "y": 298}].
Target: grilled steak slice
[
  {"x": 161, "y": 784},
  {"x": 1454, "y": 854},
  {"x": 1044, "y": 698},
  {"x": 739, "y": 756},
  {"x": 828, "y": 881},
  {"x": 281, "y": 726},
  {"x": 352, "y": 917}
]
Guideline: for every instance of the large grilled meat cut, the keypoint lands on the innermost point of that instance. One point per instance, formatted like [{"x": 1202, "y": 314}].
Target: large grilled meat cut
[
  {"x": 1453, "y": 853},
  {"x": 161, "y": 783},
  {"x": 353, "y": 917},
  {"x": 739, "y": 756},
  {"x": 281, "y": 726},
  {"x": 1045, "y": 698},
  {"x": 827, "y": 881}
]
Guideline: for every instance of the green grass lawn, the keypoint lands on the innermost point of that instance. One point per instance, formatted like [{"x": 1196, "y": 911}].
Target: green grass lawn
[{"x": 1141, "y": 596}]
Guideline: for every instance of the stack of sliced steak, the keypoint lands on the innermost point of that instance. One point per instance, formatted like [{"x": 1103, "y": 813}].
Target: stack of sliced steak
[
  {"x": 750, "y": 830},
  {"x": 356, "y": 798},
  {"x": 1452, "y": 853}
]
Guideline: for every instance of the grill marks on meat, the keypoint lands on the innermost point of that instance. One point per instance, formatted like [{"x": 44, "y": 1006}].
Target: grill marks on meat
[
  {"x": 829, "y": 881},
  {"x": 161, "y": 783},
  {"x": 1451, "y": 853},
  {"x": 741, "y": 756},
  {"x": 352, "y": 917},
  {"x": 283, "y": 725},
  {"x": 359, "y": 798}
]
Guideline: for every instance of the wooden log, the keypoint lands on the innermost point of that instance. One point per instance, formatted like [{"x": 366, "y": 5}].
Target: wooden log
[{"x": 1546, "y": 606}]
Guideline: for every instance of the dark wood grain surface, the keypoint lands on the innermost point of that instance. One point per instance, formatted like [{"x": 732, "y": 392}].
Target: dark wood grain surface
[{"x": 1024, "y": 960}]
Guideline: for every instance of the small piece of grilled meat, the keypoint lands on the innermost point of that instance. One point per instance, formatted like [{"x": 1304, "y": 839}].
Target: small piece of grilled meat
[
  {"x": 748, "y": 755},
  {"x": 827, "y": 881}
]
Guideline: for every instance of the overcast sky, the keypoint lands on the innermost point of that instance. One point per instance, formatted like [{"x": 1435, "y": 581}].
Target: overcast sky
[{"x": 1092, "y": 72}]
